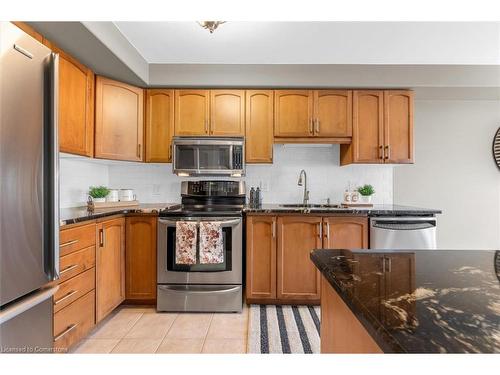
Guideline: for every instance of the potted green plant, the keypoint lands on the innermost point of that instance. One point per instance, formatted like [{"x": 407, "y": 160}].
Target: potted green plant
[
  {"x": 98, "y": 193},
  {"x": 366, "y": 192}
]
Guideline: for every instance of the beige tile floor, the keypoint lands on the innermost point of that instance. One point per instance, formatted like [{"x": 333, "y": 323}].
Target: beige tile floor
[{"x": 132, "y": 329}]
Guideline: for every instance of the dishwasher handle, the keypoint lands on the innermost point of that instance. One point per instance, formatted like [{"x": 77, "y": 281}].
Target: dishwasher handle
[{"x": 404, "y": 223}]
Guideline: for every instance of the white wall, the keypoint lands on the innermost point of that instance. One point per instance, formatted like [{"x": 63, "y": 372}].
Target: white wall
[
  {"x": 155, "y": 183},
  {"x": 454, "y": 171},
  {"x": 76, "y": 175}
]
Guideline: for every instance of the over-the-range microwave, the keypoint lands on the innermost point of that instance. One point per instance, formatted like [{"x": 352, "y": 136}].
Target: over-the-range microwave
[{"x": 208, "y": 156}]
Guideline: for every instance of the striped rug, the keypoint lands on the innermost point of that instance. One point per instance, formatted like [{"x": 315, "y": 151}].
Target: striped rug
[{"x": 284, "y": 329}]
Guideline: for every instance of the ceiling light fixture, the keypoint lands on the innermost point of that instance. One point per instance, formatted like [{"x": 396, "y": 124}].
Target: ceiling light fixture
[{"x": 210, "y": 25}]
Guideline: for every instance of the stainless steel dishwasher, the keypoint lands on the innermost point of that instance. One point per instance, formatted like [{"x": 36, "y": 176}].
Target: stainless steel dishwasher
[{"x": 404, "y": 232}]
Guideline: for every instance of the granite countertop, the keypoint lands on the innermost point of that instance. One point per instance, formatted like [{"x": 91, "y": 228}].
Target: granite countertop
[
  {"x": 79, "y": 214},
  {"x": 431, "y": 301},
  {"x": 377, "y": 209}
]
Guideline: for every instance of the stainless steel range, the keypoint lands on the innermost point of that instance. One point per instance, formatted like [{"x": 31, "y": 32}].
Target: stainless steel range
[{"x": 201, "y": 287}]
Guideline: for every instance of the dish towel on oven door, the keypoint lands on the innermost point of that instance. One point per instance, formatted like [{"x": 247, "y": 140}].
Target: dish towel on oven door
[
  {"x": 185, "y": 242},
  {"x": 211, "y": 246}
]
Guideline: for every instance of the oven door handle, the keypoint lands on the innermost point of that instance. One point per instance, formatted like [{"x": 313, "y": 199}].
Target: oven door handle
[
  {"x": 193, "y": 290},
  {"x": 224, "y": 223}
]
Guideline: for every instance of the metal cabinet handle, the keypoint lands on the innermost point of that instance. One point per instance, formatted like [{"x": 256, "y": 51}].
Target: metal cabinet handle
[
  {"x": 69, "y": 243},
  {"x": 389, "y": 264},
  {"x": 67, "y": 269},
  {"x": 381, "y": 152},
  {"x": 317, "y": 125},
  {"x": 383, "y": 265},
  {"x": 320, "y": 227},
  {"x": 65, "y": 332},
  {"x": 274, "y": 229},
  {"x": 101, "y": 237},
  {"x": 206, "y": 126},
  {"x": 139, "y": 150},
  {"x": 327, "y": 235},
  {"x": 311, "y": 126},
  {"x": 388, "y": 153},
  {"x": 73, "y": 292}
]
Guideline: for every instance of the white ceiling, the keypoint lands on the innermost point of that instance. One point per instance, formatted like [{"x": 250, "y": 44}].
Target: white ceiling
[{"x": 464, "y": 43}]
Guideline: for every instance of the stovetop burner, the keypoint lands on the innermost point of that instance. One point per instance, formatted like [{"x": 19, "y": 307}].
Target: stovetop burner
[{"x": 209, "y": 198}]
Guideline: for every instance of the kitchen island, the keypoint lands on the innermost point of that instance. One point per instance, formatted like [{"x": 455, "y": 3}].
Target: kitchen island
[{"x": 400, "y": 301}]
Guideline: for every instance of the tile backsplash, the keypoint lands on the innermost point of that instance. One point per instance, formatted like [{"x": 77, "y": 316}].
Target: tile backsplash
[{"x": 156, "y": 183}]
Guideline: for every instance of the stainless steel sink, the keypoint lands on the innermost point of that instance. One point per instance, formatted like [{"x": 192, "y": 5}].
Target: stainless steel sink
[{"x": 300, "y": 205}]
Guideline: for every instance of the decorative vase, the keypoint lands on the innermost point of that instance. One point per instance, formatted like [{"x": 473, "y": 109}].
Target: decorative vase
[{"x": 366, "y": 199}]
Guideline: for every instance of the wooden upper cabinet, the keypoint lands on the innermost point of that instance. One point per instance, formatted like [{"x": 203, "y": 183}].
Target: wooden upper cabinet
[
  {"x": 333, "y": 113},
  {"x": 259, "y": 126},
  {"x": 227, "y": 112},
  {"x": 297, "y": 277},
  {"x": 192, "y": 113},
  {"x": 119, "y": 120},
  {"x": 398, "y": 126},
  {"x": 261, "y": 257},
  {"x": 293, "y": 113},
  {"x": 345, "y": 232},
  {"x": 140, "y": 262},
  {"x": 110, "y": 266},
  {"x": 159, "y": 125},
  {"x": 76, "y": 107},
  {"x": 367, "y": 129}
]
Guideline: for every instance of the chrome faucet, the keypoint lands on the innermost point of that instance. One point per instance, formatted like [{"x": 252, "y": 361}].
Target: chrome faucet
[{"x": 303, "y": 182}]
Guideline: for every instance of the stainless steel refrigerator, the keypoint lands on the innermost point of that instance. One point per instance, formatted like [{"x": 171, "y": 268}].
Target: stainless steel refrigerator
[{"x": 29, "y": 201}]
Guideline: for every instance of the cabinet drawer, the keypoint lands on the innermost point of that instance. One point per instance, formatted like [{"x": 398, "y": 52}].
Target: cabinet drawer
[
  {"x": 74, "y": 288},
  {"x": 73, "y": 322},
  {"x": 75, "y": 263},
  {"x": 78, "y": 238}
]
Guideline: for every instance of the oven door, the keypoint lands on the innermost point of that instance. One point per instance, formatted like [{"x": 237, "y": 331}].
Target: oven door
[{"x": 228, "y": 272}]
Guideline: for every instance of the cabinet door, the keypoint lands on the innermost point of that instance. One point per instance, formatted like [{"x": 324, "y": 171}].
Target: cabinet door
[
  {"x": 333, "y": 113},
  {"x": 398, "y": 126},
  {"x": 140, "y": 269},
  {"x": 76, "y": 107},
  {"x": 345, "y": 233},
  {"x": 192, "y": 112},
  {"x": 159, "y": 125},
  {"x": 110, "y": 266},
  {"x": 261, "y": 257},
  {"x": 367, "y": 130},
  {"x": 259, "y": 126},
  {"x": 298, "y": 278},
  {"x": 119, "y": 120},
  {"x": 227, "y": 112},
  {"x": 293, "y": 113}
]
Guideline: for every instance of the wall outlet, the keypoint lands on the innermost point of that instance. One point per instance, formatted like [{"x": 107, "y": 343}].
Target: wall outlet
[
  {"x": 264, "y": 185},
  {"x": 156, "y": 189}
]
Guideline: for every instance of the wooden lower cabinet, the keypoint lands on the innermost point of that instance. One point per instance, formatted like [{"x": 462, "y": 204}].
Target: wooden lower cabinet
[
  {"x": 74, "y": 302},
  {"x": 345, "y": 232},
  {"x": 261, "y": 257},
  {"x": 341, "y": 331},
  {"x": 140, "y": 262},
  {"x": 297, "y": 277},
  {"x": 110, "y": 266},
  {"x": 72, "y": 323},
  {"x": 278, "y": 267}
]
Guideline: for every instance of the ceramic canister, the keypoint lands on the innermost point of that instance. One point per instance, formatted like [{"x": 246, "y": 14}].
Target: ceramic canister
[
  {"x": 127, "y": 195},
  {"x": 112, "y": 196}
]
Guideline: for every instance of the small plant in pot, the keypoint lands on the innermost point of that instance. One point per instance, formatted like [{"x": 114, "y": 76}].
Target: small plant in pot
[
  {"x": 366, "y": 192},
  {"x": 98, "y": 193}
]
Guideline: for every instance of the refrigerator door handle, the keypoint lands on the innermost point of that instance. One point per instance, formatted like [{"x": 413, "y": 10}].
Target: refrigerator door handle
[
  {"x": 51, "y": 155},
  {"x": 29, "y": 302}
]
